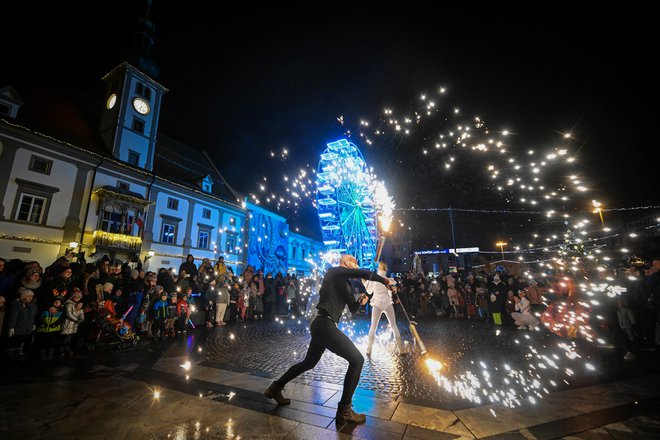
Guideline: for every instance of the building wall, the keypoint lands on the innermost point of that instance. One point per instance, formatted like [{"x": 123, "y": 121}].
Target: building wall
[
  {"x": 297, "y": 244},
  {"x": 59, "y": 177}
]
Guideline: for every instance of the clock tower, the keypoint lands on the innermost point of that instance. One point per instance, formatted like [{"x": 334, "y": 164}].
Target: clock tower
[{"x": 131, "y": 108}]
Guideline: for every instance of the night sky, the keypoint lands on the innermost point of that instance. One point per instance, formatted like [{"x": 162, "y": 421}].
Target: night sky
[{"x": 244, "y": 82}]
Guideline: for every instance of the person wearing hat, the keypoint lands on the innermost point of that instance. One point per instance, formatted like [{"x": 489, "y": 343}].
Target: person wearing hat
[
  {"x": 60, "y": 285},
  {"x": 210, "y": 295},
  {"x": 134, "y": 289},
  {"x": 182, "y": 313},
  {"x": 31, "y": 280},
  {"x": 160, "y": 315},
  {"x": 171, "y": 314},
  {"x": 21, "y": 321},
  {"x": 220, "y": 267},
  {"x": 48, "y": 328},
  {"x": 73, "y": 316},
  {"x": 152, "y": 296}
]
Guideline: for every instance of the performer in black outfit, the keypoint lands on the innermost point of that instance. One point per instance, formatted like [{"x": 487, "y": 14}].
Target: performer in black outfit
[{"x": 335, "y": 294}]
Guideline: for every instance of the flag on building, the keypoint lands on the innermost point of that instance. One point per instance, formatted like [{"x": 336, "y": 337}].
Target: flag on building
[{"x": 139, "y": 223}]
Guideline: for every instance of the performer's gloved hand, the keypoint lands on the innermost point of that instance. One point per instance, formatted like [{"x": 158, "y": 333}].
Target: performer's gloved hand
[
  {"x": 391, "y": 284},
  {"x": 363, "y": 299}
]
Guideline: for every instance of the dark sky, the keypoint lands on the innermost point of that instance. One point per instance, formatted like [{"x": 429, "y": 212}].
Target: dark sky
[{"x": 245, "y": 81}]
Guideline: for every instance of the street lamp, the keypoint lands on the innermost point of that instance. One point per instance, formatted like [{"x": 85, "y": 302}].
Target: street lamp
[
  {"x": 598, "y": 209},
  {"x": 501, "y": 244}
]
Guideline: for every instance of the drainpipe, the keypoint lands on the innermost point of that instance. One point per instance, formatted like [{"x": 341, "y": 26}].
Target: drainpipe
[{"x": 89, "y": 201}]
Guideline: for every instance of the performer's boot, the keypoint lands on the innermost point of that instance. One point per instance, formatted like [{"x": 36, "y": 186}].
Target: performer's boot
[
  {"x": 402, "y": 348},
  {"x": 275, "y": 392},
  {"x": 345, "y": 414}
]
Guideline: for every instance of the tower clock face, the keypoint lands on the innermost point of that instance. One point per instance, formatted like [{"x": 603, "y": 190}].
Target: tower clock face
[
  {"x": 112, "y": 100},
  {"x": 141, "y": 106}
]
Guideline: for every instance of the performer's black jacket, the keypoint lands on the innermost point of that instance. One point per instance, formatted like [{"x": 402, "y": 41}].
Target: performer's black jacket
[{"x": 336, "y": 292}]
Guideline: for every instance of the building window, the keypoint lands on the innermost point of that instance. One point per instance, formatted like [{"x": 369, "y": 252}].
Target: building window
[
  {"x": 230, "y": 244},
  {"x": 40, "y": 165},
  {"x": 304, "y": 251},
  {"x": 172, "y": 203},
  {"x": 31, "y": 208},
  {"x": 138, "y": 125},
  {"x": 293, "y": 252},
  {"x": 206, "y": 213},
  {"x": 169, "y": 232},
  {"x": 203, "y": 239},
  {"x": 123, "y": 185},
  {"x": 142, "y": 90},
  {"x": 207, "y": 187},
  {"x": 4, "y": 109},
  {"x": 32, "y": 201},
  {"x": 133, "y": 158}
]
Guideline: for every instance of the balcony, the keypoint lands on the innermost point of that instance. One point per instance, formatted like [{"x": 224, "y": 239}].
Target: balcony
[{"x": 108, "y": 240}]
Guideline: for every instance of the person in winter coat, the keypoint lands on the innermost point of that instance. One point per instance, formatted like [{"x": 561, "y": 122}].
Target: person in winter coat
[
  {"x": 49, "y": 326},
  {"x": 182, "y": 313},
  {"x": 381, "y": 303},
  {"x": 627, "y": 323},
  {"x": 291, "y": 296},
  {"x": 73, "y": 317},
  {"x": 210, "y": 296},
  {"x": 3, "y": 310},
  {"x": 60, "y": 286},
  {"x": 32, "y": 280},
  {"x": 220, "y": 268},
  {"x": 21, "y": 321},
  {"x": 189, "y": 266},
  {"x": 171, "y": 315},
  {"x": 160, "y": 315},
  {"x": 270, "y": 292},
  {"x": 221, "y": 303}
]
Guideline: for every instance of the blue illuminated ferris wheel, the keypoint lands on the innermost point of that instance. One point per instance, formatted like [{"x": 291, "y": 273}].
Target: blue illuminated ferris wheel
[{"x": 345, "y": 203}]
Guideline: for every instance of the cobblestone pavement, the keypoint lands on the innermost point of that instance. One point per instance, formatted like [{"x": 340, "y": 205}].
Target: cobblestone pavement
[{"x": 482, "y": 362}]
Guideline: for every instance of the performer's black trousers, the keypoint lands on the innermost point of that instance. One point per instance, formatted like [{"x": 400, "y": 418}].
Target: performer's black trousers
[{"x": 325, "y": 334}]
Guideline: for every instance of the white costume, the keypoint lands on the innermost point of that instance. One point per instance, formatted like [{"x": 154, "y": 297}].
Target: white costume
[
  {"x": 381, "y": 302},
  {"x": 524, "y": 315}
]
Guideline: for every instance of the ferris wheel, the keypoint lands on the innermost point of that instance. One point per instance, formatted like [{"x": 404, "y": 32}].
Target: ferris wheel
[{"x": 345, "y": 203}]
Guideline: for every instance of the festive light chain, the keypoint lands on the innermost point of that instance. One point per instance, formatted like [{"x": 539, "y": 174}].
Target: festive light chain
[
  {"x": 31, "y": 239},
  {"x": 128, "y": 198},
  {"x": 183, "y": 257},
  {"x": 509, "y": 211},
  {"x": 112, "y": 238}
]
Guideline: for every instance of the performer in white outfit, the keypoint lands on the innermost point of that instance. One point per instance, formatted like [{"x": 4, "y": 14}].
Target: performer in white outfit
[
  {"x": 523, "y": 317},
  {"x": 381, "y": 302}
]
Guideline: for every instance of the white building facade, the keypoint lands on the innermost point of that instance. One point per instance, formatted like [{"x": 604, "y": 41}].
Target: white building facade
[{"x": 108, "y": 189}]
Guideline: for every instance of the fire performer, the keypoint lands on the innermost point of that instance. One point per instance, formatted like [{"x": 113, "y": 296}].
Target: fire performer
[
  {"x": 335, "y": 294},
  {"x": 381, "y": 302}
]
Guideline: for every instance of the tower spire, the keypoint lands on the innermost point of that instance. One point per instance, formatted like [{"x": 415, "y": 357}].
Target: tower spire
[{"x": 142, "y": 41}]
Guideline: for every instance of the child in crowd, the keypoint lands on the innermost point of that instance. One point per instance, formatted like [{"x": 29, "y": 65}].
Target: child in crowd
[
  {"x": 160, "y": 315},
  {"x": 74, "y": 315},
  {"x": 48, "y": 329},
  {"x": 627, "y": 324},
  {"x": 21, "y": 321},
  {"x": 183, "y": 313},
  {"x": 171, "y": 315}
]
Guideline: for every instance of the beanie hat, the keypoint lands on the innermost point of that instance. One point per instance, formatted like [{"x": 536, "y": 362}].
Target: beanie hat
[
  {"x": 159, "y": 288},
  {"x": 24, "y": 291},
  {"x": 107, "y": 286},
  {"x": 31, "y": 271},
  {"x": 135, "y": 273},
  {"x": 57, "y": 270},
  {"x": 151, "y": 277}
]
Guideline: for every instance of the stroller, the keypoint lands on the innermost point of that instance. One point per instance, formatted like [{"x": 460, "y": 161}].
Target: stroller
[{"x": 107, "y": 330}]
